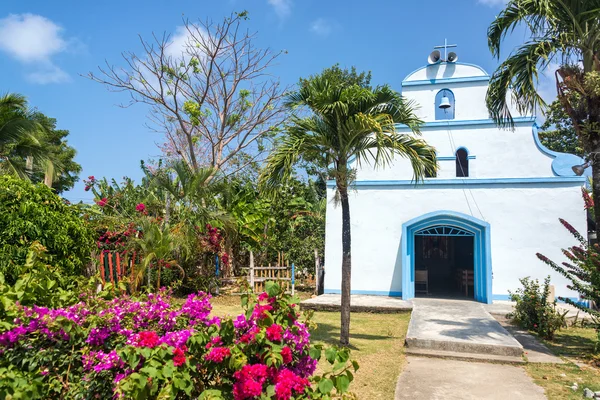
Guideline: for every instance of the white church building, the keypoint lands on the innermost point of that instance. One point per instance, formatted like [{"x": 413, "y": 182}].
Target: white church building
[{"x": 473, "y": 230}]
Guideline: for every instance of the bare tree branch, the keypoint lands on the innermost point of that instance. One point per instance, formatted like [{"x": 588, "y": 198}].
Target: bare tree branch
[{"x": 213, "y": 98}]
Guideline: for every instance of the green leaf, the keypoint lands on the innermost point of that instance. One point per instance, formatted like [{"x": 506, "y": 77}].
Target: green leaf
[
  {"x": 272, "y": 288},
  {"x": 341, "y": 383},
  {"x": 315, "y": 352},
  {"x": 330, "y": 354},
  {"x": 325, "y": 385}
]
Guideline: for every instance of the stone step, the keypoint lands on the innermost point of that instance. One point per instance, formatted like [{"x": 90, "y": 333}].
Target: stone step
[{"x": 453, "y": 355}]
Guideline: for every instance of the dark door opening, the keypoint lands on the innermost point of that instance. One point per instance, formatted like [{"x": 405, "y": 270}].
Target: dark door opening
[{"x": 444, "y": 266}]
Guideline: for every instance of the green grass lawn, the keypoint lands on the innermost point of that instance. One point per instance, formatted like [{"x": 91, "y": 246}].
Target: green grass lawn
[
  {"x": 576, "y": 344},
  {"x": 377, "y": 343}
]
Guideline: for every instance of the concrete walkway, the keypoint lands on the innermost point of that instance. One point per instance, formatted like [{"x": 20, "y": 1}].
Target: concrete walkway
[
  {"x": 458, "y": 326},
  {"x": 429, "y": 379},
  {"x": 358, "y": 303}
]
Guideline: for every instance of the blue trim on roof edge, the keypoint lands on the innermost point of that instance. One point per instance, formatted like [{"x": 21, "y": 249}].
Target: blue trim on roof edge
[
  {"x": 458, "y": 182},
  {"x": 441, "y": 81},
  {"x": 466, "y": 122}
]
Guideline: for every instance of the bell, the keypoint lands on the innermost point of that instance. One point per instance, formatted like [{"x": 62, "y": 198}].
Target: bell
[{"x": 445, "y": 103}]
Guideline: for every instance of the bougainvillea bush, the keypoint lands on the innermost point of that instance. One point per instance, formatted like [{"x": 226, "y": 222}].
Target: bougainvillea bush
[{"x": 155, "y": 347}]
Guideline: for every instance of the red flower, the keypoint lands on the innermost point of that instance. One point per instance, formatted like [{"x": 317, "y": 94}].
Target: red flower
[
  {"x": 286, "y": 354},
  {"x": 87, "y": 188},
  {"x": 274, "y": 333},
  {"x": 102, "y": 202},
  {"x": 249, "y": 381},
  {"x": 91, "y": 178},
  {"x": 147, "y": 339},
  {"x": 218, "y": 354},
  {"x": 286, "y": 381},
  {"x": 178, "y": 357},
  {"x": 140, "y": 207}
]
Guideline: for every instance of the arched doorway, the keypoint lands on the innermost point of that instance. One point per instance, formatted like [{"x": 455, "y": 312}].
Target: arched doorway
[{"x": 442, "y": 224}]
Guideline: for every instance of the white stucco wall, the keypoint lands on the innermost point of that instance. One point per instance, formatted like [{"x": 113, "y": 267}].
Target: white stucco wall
[
  {"x": 523, "y": 219},
  {"x": 499, "y": 154},
  {"x": 511, "y": 185}
]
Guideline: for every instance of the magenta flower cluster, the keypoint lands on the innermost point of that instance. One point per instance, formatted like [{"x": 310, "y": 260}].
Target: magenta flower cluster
[{"x": 116, "y": 339}]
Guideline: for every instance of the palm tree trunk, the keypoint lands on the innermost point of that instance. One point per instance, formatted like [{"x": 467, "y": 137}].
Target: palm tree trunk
[{"x": 346, "y": 267}]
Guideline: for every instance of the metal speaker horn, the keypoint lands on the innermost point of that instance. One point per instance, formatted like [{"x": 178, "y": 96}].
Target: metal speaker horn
[
  {"x": 580, "y": 169},
  {"x": 452, "y": 57},
  {"x": 434, "y": 57}
]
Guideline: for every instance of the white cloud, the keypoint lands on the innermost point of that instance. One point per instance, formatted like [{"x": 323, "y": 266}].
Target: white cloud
[
  {"x": 178, "y": 43},
  {"x": 34, "y": 40},
  {"x": 321, "y": 27},
  {"x": 493, "y": 3},
  {"x": 51, "y": 74},
  {"x": 283, "y": 8}
]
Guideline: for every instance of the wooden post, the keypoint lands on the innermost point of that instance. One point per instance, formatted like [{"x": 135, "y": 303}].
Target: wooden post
[
  {"x": 110, "y": 267},
  {"x": 102, "y": 269},
  {"x": 252, "y": 271}
]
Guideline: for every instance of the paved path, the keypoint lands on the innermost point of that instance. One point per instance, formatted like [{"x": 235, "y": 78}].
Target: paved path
[
  {"x": 458, "y": 326},
  {"x": 358, "y": 303},
  {"x": 433, "y": 379}
]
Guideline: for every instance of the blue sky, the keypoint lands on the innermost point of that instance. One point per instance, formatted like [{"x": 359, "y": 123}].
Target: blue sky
[{"x": 46, "y": 45}]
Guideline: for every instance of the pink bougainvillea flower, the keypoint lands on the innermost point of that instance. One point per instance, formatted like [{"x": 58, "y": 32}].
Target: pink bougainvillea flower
[
  {"x": 102, "y": 202},
  {"x": 263, "y": 296},
  {"x": 286, "y": 354},
  {"x": 218, "y": 354},
  {"x": 140, "y": 207},
  {"x": 274, "y": 333},
  {"x": 87, "y": 188},
  {"x": 249, "y": 381},
  {"x": 178, "y": 357}
]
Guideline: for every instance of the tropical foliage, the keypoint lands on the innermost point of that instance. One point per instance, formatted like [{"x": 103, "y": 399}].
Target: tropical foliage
[
  {"x": 564, "y": 32},
  {"x": 534, "y": 310},
  {"x": 155, "y": 348},
  {"x": 33, "y": 213},
  {"x": 32, "y": 148},
  {"x": 557, "y": 132},
  {"x": 583, "y": 272},
  {"x": 346, "y": 123}
]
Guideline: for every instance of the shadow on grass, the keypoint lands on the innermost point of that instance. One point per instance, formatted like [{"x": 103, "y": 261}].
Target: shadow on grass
[
  {"x": 572, "y": 343},
  {"x": 330, "y": 334}
]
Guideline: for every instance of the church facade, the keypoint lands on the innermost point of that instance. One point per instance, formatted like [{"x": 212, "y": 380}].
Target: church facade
[{"x": 473, "y": 230}]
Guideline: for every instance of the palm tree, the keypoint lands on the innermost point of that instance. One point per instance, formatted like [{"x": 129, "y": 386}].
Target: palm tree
[
  {"x": 346, "y": 122},
  {"x": 20, "y": 146},
  {"x": 563, "y": 31}
]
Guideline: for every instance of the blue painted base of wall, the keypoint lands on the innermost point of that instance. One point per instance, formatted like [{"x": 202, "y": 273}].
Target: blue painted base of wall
[
  {"x": 369, "y": 292},
  {"x": 506, "y": 297},
  {"x": 499, "y": 297}
]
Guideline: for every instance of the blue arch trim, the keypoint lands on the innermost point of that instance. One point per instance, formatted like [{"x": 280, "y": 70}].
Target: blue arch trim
[
  {"x": 481, "y": 250},
  {"x": 562, "y": 163}
]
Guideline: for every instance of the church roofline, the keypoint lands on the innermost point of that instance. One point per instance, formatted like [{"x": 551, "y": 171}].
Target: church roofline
[
  {"x": 446, "y": 80},
  {"x": 406, "y": 80},
  {"x": 461, "y": 182}
]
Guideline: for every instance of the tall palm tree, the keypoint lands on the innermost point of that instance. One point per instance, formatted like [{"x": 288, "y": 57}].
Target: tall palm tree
[
  {"x": 20, "y": 147},
  {"x": 347, "y": 122},
  {"x": 561, "y": 31}
]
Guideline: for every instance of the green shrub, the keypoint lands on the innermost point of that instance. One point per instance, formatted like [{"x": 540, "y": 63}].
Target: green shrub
[
  {"x": 533, "y": 311},
  {"x": 30, "y": 213}
]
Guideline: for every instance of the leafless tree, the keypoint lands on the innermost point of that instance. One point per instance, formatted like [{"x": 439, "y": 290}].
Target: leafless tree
[{"x": 209, "y": 88}]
